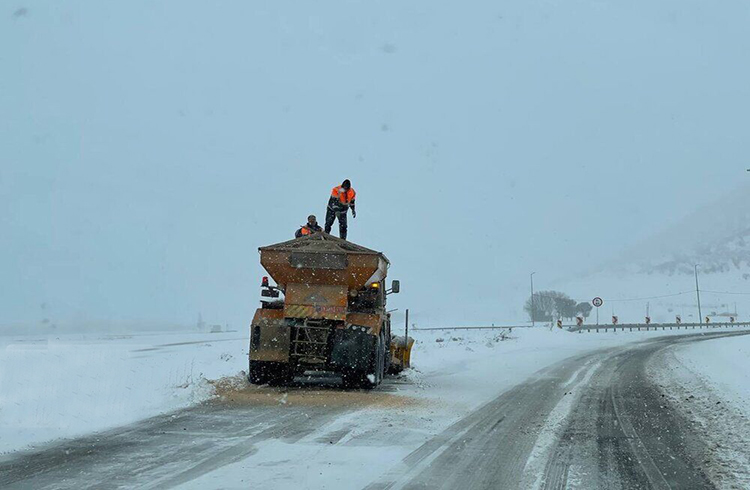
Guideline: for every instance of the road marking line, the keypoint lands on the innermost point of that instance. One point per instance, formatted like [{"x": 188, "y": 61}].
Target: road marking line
[{"x": 577, "y": 373}]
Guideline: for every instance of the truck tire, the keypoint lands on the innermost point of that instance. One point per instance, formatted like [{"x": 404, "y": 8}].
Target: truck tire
[
  {"x": 387, "y": 349},
  {"x": 270, "y": 373},
  {"x": 373, "y": 375}
]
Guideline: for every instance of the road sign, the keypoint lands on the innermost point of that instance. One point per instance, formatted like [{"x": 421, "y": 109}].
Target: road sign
[{"x": 597, "y": 301}]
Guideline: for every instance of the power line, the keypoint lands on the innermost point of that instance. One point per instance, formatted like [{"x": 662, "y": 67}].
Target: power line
[
  {"x": 648, "y": 297},
  {"x": 539, "y": 295},
  {"x": 722, "y": 292},
  {"x": 619, "y": 300}
]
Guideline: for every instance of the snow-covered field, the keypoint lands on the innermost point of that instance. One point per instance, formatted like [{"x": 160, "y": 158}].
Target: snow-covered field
[
  {"x": 67, "y": 386},
  {"x": 710, "y": 383}
]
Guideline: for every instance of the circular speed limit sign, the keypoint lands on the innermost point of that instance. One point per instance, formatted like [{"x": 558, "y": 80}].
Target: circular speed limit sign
[{"x": 597, "y": 302}]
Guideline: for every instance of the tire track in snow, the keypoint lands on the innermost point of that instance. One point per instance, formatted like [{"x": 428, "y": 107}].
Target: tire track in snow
[
  {"x": 533, "y": 472},
  {"x": 613, "y": 431}
]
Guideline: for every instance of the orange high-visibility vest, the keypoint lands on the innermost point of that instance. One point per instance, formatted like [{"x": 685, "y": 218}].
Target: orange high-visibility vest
[
  {"x": 305, "y": 230},
  {"x": 344, "y": 196}
]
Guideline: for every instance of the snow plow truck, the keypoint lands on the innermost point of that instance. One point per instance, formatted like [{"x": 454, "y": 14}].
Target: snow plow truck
[{"x": 332, "y": 317}]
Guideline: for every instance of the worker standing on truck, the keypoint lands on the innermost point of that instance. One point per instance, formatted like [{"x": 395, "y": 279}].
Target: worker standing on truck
[
  {"x": 309, "y": 228},
  {"x": 342, "y": 198}
]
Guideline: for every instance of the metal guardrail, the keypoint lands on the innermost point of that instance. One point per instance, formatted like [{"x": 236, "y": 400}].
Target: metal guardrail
[
  {"x": 605, "y": 327},
  {"x": 478, "y": 328},
  {"x": 656, "y": 326}
]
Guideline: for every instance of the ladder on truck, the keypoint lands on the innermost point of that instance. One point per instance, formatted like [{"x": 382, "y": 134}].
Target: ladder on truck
[{"x": 310, "y": 341}]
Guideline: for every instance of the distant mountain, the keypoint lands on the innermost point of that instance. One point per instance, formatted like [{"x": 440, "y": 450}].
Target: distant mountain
[
  {"x": 656, "y": 276},
  {"x": 716, "y": 236}
]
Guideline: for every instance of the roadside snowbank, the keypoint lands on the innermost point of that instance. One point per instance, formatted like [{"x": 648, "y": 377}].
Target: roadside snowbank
[
  {"x": 709, "y": 383},
  {"x": 724, "y": 364}
]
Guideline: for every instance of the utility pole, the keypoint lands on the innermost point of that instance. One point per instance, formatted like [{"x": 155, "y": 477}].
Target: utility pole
[
  {"x": 698, "y": 295},
  {"x": 532, "y": 297}
]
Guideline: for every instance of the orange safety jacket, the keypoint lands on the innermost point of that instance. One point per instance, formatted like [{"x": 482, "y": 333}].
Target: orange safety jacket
[
  {"x": 343, "y": 196},
  {"x": 307, "y": 230}
]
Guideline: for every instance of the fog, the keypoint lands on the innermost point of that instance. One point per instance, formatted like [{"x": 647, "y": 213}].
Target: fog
[{"x": 147, "y": 150}]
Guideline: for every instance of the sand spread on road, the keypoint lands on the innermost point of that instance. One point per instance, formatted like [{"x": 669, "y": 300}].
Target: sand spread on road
[{"x": 236, "y": 390}]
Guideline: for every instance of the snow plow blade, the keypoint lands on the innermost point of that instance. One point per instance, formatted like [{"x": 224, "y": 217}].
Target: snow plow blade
[{"x": 400, "y": 354}]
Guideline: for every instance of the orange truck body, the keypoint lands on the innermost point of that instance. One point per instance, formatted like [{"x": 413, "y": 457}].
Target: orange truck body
[{"x": 332, "y": 317}]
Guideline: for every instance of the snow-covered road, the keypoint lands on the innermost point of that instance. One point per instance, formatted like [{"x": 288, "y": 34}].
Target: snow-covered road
[
  {"x": 472, "y": 395},
  {"x": 593, "y": 421}
]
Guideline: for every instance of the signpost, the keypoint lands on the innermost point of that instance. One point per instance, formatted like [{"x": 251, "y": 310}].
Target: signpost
[{"x": 597, "y": 302}]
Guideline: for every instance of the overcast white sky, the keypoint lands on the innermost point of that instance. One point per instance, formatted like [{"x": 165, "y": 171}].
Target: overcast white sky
[{"x": 147, "y": 149}]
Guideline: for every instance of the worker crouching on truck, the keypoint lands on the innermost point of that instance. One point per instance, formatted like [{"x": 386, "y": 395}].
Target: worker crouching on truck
[
  {"x": 311, "y": 227},
  {"x": 342, "y": 198}
]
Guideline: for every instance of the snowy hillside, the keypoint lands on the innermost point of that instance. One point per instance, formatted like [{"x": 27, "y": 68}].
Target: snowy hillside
[
  {"x": 658, "y": 275},
  {"x": 716, "y": 236}
]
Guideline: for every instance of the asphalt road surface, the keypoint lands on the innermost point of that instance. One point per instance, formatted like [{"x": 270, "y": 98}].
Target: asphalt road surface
[{"x": 591, "y": 421}]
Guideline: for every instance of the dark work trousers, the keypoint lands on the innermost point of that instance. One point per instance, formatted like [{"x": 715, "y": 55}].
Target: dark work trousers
[{"x": 336, "y": 212}]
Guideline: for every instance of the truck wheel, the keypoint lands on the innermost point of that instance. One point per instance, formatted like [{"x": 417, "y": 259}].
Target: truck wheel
[
  {"x": 373, "y": 375},
  {"x": 387, "y": 350},
  {"x": 380, "y": 366},
  {"x": 256, "y": 374},
  {"x": 351, "y": 380},
  {"x": 284, "y": 376},
  {"x": 270, "y": 373},
  {"x": 383, "y": 362}
]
